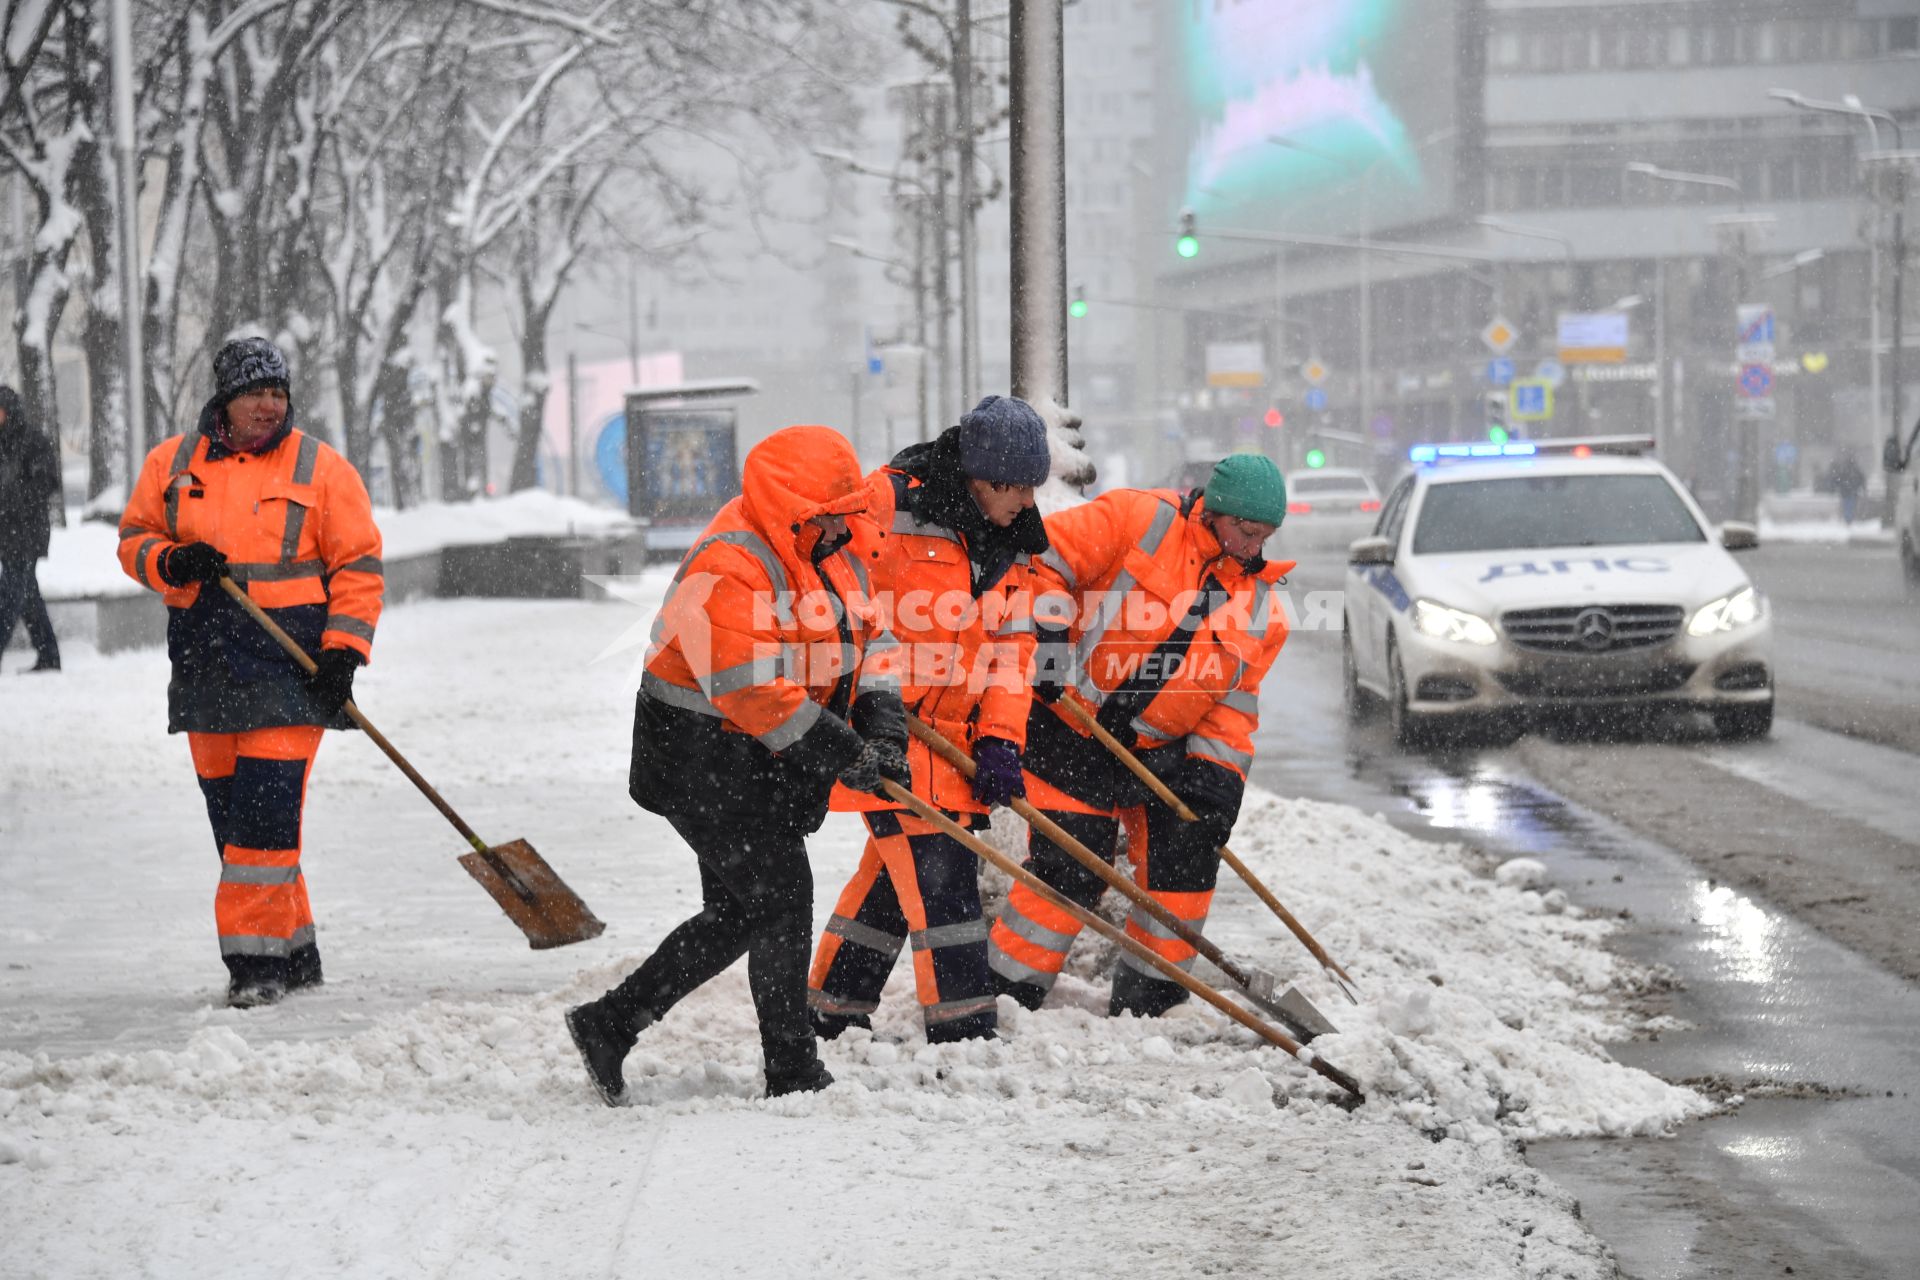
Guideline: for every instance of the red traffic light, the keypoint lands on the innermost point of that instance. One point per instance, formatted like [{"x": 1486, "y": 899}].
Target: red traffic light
[{"x": 1275, "y": 418}]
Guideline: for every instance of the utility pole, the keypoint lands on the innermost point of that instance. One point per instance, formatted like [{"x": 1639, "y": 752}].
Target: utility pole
[
  {"x": 942, "y": 297},
  {"x": 1039, "y": 223},
  {"x": 969, "y": 281},
  {"x": 573, "y": 422},
  {"x": 126, "y": 145}
]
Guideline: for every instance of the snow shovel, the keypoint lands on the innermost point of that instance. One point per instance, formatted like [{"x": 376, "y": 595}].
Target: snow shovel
[
  {"x": 1173, "y": 972},
  {"x": 527, "y": 889},
  {"x": 1292, "y": 1009},
  {"x": 1334, "y": 972}
]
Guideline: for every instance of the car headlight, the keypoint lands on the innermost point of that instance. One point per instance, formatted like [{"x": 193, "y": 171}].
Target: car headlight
[
  {"x": 1457, "y": 625},
  {"x": 1728, "y": 613}
]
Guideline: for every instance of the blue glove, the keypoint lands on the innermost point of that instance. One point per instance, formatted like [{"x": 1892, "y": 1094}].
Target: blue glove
[{"x": 996, "y": 772}]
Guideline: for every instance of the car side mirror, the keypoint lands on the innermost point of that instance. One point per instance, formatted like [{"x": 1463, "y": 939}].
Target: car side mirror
[
  {"x": 1890, "y": 458},
  {"x": 1370, "y": 551},
  {"x": 1737, "y": 535}
]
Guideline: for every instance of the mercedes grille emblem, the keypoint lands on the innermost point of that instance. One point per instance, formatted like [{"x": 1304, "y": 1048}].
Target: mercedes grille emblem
[{"x": 1594, "y": 629}]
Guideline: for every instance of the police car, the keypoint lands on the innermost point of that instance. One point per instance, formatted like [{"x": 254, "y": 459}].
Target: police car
[{"x": 1504, "y": 579}]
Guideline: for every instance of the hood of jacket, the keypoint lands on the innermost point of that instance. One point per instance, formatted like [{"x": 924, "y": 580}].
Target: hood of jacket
[{"x": 793, "y": 475}]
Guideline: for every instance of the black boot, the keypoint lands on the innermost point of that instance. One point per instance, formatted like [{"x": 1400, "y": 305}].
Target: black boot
[
  {"x": 253, "y": 981},
  {"x": 1025, "y": 994},
  {"x": 604, "y": 1038},
  {"x": 303, "y": 967},
  {"x": 829, "y": 1026},
  {"x": 794, "y": 1066},
  {"x": 1144, "y": 997},
  {"x": 975, "y": 1026}
]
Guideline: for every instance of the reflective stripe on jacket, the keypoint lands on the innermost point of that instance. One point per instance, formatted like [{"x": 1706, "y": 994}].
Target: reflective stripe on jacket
[{"x": 1134, "y": 561}]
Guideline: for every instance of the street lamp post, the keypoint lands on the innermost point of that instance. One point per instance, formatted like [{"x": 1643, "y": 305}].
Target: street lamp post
[
  {"x": 1873, "y": 118},
  {"x": 1735, "y": 242}
]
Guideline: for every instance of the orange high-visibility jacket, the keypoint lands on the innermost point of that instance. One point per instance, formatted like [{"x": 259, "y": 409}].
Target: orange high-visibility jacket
[
  {"x": 754, "y": 639},
  {"x": 297, "y": 529},
  {"x": 1134, "y": 561},
  {"x": 965, "y": 663}
]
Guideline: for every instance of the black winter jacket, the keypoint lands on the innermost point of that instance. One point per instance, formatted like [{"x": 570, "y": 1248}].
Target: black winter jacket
[{"x": 29, "y": 478}]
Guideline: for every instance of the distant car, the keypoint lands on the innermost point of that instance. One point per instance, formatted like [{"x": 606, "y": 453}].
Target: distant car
[
  {"x": 1559, "y": 574},
  {"x": 1328, "y": 507}
]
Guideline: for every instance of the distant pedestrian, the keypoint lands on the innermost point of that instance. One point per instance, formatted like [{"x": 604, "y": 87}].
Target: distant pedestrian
[
  {"x": 1848, "y": 481},
  {"x": 29, "y": 481},
  {"x": 244, "y": 496}
]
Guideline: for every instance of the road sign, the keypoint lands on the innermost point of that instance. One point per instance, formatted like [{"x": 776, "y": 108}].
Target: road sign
[
  {"x": 1236, "y": 364},
  {"x": 1499, "y": 336},
  {"x": 1499, "y": 371},
  {"x": 1756, "y": 381},
  {"x": 1530, "y": 400},
  {"x": 1757, "y": 408},
  {"x": 1316, "y": 399},
  {"x": 1755, "y": 343},
  {"x": 1315, "y": 372},
  {"x": 1551, "y": 372},
  {"x": 1593, "y": 337}
]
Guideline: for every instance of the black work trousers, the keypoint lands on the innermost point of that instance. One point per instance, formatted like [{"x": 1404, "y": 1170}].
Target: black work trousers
[
  {"x": 756, "y": 893},
  {"x": 20, "y": 601}
]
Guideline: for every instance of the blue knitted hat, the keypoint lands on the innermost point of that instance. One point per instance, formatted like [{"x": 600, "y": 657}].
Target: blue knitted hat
[{"x": 1004, "y": 441}]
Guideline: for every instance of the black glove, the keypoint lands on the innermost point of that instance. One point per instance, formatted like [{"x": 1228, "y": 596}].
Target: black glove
[
  {"x": 893, "y": 761},
  {"x": 996, "y": 772},
  {"x": 1213, "y": 792},
  {"x": 331, "y": 683},
  {"x": 192, "y": 562},
  {"x": 1052, "y": 661},
  {"x": 864, "y": 773}
]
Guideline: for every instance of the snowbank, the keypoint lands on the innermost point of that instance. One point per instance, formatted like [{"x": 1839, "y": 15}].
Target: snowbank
[
  {"x": 83, "y": 559},
  {"x": 425, "y": 1111}
]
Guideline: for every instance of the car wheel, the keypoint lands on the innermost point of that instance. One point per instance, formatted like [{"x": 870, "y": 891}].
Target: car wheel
[
  {"x": 1744, "y": 721},
  {"x": 1358, "y": 704},
  {"x": 1407, "y": 728}
]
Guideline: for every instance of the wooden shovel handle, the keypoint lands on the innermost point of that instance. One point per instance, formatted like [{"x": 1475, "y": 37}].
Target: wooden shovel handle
[
  {"x": 1086, "y": 857},
  {"x": 987, "y": 853},
  {"x": 308, "y": 665},
  {"x": 1079, "y": 712}
]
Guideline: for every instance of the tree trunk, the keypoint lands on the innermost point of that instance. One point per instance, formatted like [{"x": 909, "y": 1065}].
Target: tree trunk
[
  {"x": 35, "y": 322},
  {"x": 534, "y": 389}
]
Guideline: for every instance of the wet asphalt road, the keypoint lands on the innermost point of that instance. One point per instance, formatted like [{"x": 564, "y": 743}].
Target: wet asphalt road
[{"x": 1777, "y": 882}]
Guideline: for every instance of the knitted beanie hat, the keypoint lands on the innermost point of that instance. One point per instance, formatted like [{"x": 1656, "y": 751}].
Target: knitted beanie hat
[
  {"x": 1248, "y": 486},
  {"x": 1004, "y": 441}
]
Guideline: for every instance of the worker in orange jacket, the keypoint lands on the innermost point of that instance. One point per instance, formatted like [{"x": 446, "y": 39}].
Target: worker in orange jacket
[
  {"x": 1177, "y": 619},
  {"x": 246, "y": 496},
  {"x": 770, "y": 676},
  {"x": 954, "y": 568}
]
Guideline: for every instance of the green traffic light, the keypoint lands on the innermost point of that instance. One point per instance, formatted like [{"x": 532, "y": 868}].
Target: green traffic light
[
  {"x": 1497, "y": 434},
  {"x": 1077, "y": 308},
  {"x": 1188, "y": 246},
  {"x": 1316, "y": 459}
]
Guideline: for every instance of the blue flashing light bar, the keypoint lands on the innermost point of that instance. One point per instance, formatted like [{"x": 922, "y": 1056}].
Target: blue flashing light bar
[{"x": 1424, "y": 453}]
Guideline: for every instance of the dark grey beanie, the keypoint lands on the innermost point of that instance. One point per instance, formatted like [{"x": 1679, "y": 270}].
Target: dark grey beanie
[
  {"x": 245, "y": 364},
  {"x": 1004, "y": 441}
]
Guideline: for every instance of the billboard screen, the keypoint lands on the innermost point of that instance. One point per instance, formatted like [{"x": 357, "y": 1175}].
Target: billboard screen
[{"x": 1325, "y": 117}]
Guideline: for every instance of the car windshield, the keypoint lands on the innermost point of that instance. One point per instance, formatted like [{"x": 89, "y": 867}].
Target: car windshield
[
  {"x": 1525, "y": 512},
  {"x": 1329, "y": 484}
]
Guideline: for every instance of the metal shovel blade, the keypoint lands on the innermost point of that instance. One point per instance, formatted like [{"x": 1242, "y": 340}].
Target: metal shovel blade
[
  {"x": 1290, "y": 1008},
  {"x": 1304, "y": 1013},
  {"x": 533, "y": 895}
]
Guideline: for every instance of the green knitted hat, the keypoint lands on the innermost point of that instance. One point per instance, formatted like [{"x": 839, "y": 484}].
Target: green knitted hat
[{"x": 1248, "y": 486}]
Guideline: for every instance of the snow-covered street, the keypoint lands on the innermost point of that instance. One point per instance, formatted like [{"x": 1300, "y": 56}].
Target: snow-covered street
[{"x": 424, "y": 1112}]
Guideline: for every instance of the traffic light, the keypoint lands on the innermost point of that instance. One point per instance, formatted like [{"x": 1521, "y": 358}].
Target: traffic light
[
  {"x": 1275, "y": 418},
  {"x": 1078, "y": 307},
  {"x": 1316, "y": 459},
  {"x": 1497, "y": 416},
  {"x": 1188, "y": 245}
]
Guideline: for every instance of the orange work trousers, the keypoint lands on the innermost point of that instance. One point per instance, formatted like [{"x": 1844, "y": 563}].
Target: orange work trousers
[{"x": 255, "y": 784}]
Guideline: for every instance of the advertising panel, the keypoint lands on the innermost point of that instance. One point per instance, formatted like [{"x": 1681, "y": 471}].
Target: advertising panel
[
  {"x": 1325, "y": 117},
  {"x": 681, "y": 465}
]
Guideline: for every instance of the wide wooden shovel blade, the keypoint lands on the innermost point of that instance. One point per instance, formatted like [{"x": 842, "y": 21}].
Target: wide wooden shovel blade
[{"x": 533, "y": 895}]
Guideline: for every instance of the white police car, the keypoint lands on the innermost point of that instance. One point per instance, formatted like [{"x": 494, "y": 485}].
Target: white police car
[{"x": 1503, "y": 579}]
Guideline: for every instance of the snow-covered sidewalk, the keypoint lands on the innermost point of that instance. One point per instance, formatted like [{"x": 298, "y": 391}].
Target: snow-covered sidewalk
[{"x": 424, "y": 1112}]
